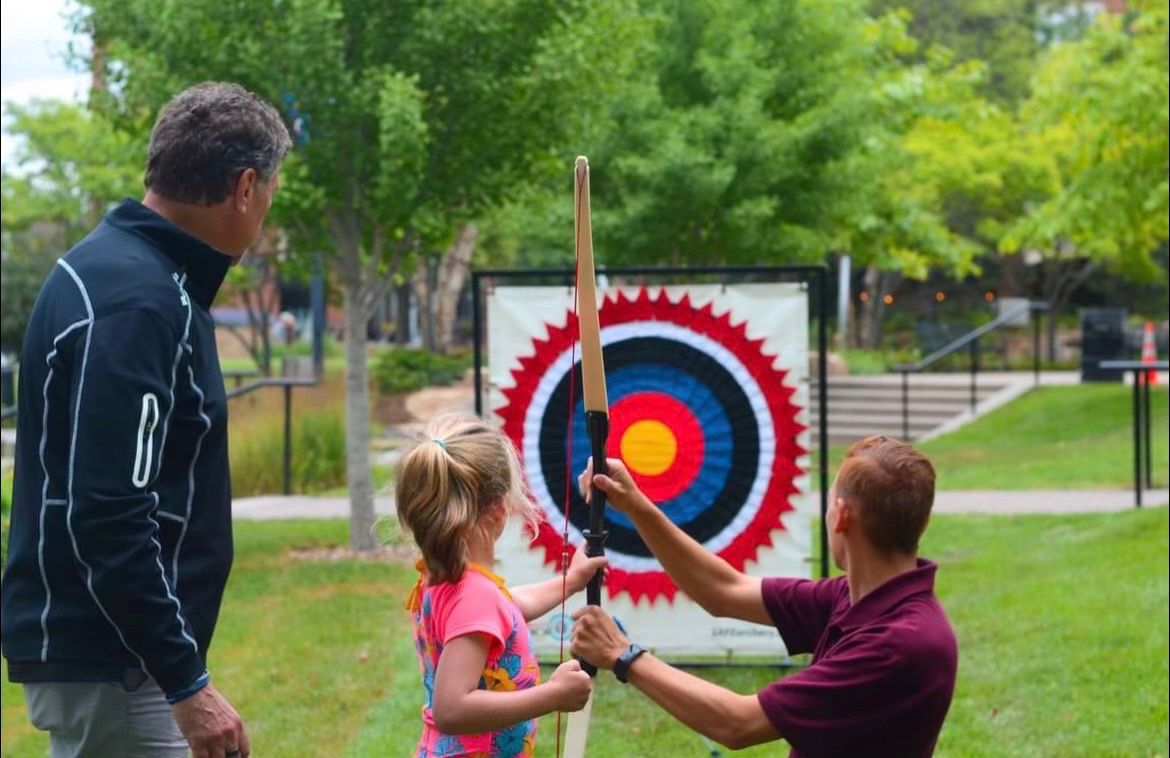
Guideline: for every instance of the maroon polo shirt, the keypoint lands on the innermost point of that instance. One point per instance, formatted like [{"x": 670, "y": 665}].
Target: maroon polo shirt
[{"x": 882, "y": 672}]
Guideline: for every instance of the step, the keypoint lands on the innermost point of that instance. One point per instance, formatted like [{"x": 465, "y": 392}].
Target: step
[
  {"x": 912, "y": 391},
  {"x": 863, "y": 409},
  {"x": 950, "y": 379},
  {"x": 852, "y": 433},
  {"x": 915, "y": 407},
  {"x": 885, "y": 422}
]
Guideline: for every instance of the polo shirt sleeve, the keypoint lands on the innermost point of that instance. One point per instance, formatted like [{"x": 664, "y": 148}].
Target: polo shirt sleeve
[
  {"x": 831, "y": 705},
  {"x": 801, "y": 608}
]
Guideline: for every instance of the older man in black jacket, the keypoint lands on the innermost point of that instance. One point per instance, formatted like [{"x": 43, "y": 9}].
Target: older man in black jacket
[{"x": 121, "y": 539}]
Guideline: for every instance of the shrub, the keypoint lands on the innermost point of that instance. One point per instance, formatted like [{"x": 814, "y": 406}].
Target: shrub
[
  {"x": 406, "y": 369},
  {"x": 318, "y": 455},
  {"x": 302, "y": 348}
]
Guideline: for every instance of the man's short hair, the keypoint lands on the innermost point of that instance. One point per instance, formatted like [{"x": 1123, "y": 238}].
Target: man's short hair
[
  {"x": 892, "y": 485},
  {"x": 207, "y": 136}
]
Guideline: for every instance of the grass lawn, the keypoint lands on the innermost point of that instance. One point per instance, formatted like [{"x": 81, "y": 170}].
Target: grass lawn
[
  {"x": 1053, "y": 438},
  {"x": 1077, "y": 437},
  {"x": 1062, "y": 625}
]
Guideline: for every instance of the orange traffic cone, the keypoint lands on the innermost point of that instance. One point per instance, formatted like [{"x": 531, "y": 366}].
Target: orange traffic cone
[{"x": 1150, "y": 351}]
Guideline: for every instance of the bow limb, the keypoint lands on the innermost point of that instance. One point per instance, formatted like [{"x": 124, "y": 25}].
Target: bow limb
[
  {"x": 596, "y": 418},
  {"x": 592, "y": 372}
]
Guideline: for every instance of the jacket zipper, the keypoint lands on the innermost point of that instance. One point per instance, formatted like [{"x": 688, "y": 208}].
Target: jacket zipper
[{"x": 144, "y": 455}]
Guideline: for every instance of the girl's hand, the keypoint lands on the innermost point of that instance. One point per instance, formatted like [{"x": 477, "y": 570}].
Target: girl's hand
[
  {"x": 582, "y": 569},
  {"x": 570, "y": 687},
  {"x": 619, "y": 487}
]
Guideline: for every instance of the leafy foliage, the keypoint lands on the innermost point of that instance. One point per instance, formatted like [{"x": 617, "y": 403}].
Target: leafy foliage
[
  {"x": 318, "y": 457},
  {"x": 1099, "y": 108},
  {"x": 1003, "y": 34},
  {"x": 411, "y": 117},
  {"x": 68, "y": 166},
  {"x": 406, "y": 369}
]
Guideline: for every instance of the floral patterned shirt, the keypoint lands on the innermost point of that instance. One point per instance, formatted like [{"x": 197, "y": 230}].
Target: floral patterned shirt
[{"x": 477, "y": 604}]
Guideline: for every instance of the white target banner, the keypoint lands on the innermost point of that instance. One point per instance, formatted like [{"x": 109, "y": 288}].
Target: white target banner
[{"x": 708, "y": 395}]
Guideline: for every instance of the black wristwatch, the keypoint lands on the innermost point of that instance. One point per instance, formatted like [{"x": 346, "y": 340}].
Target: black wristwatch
[{"x": 621, "y": 669}]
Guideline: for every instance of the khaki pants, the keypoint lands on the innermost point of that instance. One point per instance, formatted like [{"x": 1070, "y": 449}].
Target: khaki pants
[{"x": 128, "y": 719}]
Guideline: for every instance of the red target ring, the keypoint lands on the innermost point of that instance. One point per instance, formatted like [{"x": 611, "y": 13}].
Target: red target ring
[{"x": 659, "y": 440}]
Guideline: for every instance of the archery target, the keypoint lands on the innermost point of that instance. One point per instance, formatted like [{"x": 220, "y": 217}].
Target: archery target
[{"x": 699, "y": 414}]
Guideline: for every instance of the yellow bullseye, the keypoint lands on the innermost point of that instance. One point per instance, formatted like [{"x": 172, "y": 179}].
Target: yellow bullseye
[{"x": 649, "y": 447}]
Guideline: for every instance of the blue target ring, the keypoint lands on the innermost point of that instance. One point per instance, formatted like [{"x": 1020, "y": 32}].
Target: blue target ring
[{"x": 712, "y": 419}]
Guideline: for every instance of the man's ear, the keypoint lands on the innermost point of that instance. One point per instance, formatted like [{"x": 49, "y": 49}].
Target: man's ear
[
  {"x": 245, "y": 191},
  {"x": 845, "y": 516}
]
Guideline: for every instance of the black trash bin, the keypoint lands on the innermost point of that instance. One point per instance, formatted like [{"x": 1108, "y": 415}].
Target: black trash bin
[{"x": 1102, "y": 339}]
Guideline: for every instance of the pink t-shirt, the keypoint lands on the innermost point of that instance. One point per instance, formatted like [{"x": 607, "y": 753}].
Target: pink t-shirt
[{"x": 477, "y": 603}]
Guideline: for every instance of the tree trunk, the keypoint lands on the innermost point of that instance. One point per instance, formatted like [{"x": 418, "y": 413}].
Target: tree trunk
[
  {"x": 423, "y": 282},
  {"x": 357, "y": 421},
  {"x": 873, "y": 311},
  {"x": 452, "y": 275},
  {"x": 259, "y": 302},
  {"x": 1061, "y": 282},
  {"x": 1011, "y": 269},
  {"x": 97, "y": 92},
  {"x": 402, "y": 314}
]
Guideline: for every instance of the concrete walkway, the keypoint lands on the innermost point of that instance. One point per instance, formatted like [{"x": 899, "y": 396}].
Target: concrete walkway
[
  {"x": 274, "y": 507},
  {"x": 1043, "y": 501}
]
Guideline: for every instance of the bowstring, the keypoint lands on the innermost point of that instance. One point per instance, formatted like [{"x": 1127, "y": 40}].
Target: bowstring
[{"x": 565, "y": 552}]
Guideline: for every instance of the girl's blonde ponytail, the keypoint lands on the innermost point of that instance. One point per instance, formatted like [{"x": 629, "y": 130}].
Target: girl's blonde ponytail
[{"x": 448, "y": 482}]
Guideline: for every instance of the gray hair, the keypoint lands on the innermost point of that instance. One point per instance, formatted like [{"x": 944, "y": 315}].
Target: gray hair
[{"x": 207, "y": 136}]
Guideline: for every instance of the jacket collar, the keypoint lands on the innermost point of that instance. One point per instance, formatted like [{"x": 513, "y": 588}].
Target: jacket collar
[
  {"x": 204, "y": 266},
  {"x": 917, "y": 581}
]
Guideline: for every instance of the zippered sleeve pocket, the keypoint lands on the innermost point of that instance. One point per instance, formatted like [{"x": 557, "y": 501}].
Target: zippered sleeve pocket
[{"x": 144, "y": 452}]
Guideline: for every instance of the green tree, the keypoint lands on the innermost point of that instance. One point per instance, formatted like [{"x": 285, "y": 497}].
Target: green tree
[
  {"x": 1001, "y": 33},
  {"x": 1099, "y": 107},
  {"x": 415, "y": 118},
  {"x": 736, "y": 144},
  {"x": 69, "y": 166},
  {"x": 782, "y": 132}
]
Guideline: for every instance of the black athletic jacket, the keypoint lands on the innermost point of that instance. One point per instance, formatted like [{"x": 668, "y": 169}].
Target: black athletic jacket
[{"x": 120, "y": 541}]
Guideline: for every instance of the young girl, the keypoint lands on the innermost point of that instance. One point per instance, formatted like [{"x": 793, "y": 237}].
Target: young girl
[{"x": 455, "y": 491}]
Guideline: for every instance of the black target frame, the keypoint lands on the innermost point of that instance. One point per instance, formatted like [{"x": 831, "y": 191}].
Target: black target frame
[{"x": 814, "y": 278}]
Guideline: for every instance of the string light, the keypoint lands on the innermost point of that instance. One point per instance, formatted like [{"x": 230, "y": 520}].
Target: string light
[
  {"x": 940, "y": 296},
  {"x": 863, "y": 297},
  {"x": 989, "y": 296},
  {"x": 888, "y": 299}
]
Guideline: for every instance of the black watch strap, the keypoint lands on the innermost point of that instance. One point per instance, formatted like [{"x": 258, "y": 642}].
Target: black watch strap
[{"x": 621, "y": 669}]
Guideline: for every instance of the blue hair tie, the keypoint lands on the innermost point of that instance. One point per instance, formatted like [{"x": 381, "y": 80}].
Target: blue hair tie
[{"x": 439, "y": 442}]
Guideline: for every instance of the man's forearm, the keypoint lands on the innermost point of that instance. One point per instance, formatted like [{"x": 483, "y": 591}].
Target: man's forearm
[
  {"x": 731, "y": 719},
  {"x": 699, "y": 573},
  {"x": 121, "y": 566}
]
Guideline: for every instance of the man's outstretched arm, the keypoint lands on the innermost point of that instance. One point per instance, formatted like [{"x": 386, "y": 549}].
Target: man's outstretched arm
[
  {"x": 705, "y": 577},
  {"x": 731, "y": 719}
]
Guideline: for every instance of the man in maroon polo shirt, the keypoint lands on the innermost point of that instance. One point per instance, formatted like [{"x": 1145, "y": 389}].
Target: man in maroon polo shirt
[{"x": 884, "y": 654}]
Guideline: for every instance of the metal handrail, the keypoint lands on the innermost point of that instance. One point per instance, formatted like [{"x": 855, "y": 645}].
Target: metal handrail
[
  {"x": 1142, "y": 370},
  {"x": 238, "y": 375},
  {"x": 286, "y": 383},
  {"x": 275, "y": 381},
  {"x": 970, "y": 341},
  {"x": 961, "y": 342}
]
